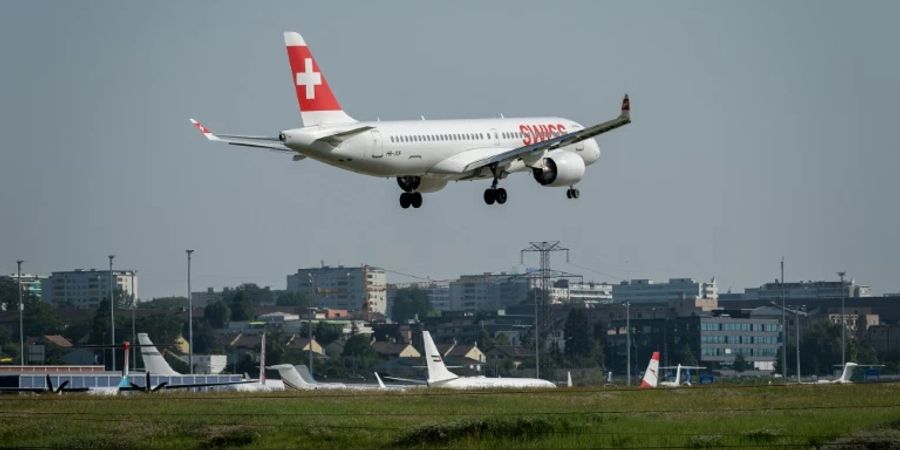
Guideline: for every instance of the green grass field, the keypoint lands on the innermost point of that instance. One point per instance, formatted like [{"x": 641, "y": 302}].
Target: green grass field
[{"x": 848, "y": 416}]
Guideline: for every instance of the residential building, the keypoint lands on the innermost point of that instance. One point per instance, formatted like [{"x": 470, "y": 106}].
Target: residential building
[
  {"x": 488, "y": 291},
  {"x": 31, "y": 284},
  {"x": 87, "y": 288},
  {"x": 352, "y": 288},
  {"x": 201, "y": 299},
  {"x": 438, "y": 293},
  {"x": 703, "y": 295},
  {"x": 395, "y": 349}
]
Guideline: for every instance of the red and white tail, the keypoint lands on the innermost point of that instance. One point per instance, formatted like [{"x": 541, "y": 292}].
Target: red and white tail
[
  {"x": 650, "y": 376},
  {"x": 626, "y": 106},
  {"x": 318, "y": 105}
]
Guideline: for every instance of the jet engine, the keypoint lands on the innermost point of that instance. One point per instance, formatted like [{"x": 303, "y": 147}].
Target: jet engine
[
  {"x": 420, "y": 184},
  {"x": 561, "y": 168}
]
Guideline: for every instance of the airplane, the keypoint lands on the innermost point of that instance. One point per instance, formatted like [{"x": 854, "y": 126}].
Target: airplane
[
  {"x": 263, "y": 384},
  {"x": 847, "y": 373},
  {"x": 439, "y": 376},
  {"x": 155, "y": 363},
  {"x": 677, "y": 382},
  {"x": 299, "y": 378},
  {"x": 651, "y": 375},
  {"x": 424, "y": 155}
]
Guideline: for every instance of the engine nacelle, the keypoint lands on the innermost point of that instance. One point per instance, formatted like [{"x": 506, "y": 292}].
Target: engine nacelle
[
  {"x": 561, "y": 168},
  {"x": 411, "y": 183},
  {"x": 429, "y": 184}
]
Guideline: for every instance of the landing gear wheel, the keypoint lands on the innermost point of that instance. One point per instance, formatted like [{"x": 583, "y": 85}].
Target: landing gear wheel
[
  {"x": 415, "y": 199},
  {"x": 490, "y": 196},
  {"x": 572, "y": 193},
  {"x": 569, "y": 193},
  {"x": 405, "y": 200},
  {"x": 500, "y": 195}
]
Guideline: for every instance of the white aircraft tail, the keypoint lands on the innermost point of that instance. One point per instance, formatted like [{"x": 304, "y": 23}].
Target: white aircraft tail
[
  {"x": 568, "y": 379},
  {"x": 305, "y": 373},
  {"x": 651, "y": 377},
  {"x": 318, "y": 105},
  {"x": 437, "y": 371},
  {"x": 292, "y": 379},
  {"x": 380, "y": 383},
  {"x": 847, "y": 374},
  {"x": 153, "y": 360}
]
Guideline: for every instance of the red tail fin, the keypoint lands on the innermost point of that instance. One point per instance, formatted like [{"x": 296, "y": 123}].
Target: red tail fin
[{"x": 317, "y": 102}]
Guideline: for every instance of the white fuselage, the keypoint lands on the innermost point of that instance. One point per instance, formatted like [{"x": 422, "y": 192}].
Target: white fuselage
[
  {"x": 426, "y": 147},
  {"x": 492, "y": 383}
]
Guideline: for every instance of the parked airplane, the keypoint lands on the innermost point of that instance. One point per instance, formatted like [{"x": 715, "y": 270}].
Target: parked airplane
[
  {"x": 424, "y": 155},
  {"x": 847, "y": 373},
  {"x": 651, "y": 375},
  {"x": 155, "y": 363},
  {"x": 440, "y": 376},
  {"x": 677, "y": 382},
  {"x": 89, "y": 382},
  {"x": 299, "y": 378},
  {"x": 262, "y": 384}
]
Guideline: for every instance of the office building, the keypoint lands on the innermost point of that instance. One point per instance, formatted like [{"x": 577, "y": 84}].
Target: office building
[
  {"x": 805, "y": 290},
  {"x": 700, "y": 294}
]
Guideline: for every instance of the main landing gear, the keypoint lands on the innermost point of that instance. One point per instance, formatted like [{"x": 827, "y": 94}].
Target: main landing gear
[
  {"x": 572, "y": 193},
  {"x": 494, "y": 194},
  {"x": 408, "y": 199}
]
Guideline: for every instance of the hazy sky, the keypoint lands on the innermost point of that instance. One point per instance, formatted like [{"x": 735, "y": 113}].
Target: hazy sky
[{"x": 760, "y": 129}]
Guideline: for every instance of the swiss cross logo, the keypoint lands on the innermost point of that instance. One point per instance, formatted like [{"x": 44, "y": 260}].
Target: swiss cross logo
[{"x": 309, "y": 79}]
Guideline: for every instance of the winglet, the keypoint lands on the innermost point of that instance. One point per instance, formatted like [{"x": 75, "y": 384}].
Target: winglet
[
  {"x": 626, "y": 106},
  {"x": 204, "y": 131}
]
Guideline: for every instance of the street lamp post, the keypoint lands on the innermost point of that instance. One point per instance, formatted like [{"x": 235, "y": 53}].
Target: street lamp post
[
  {"x": 112, "y": 313},
  {"x": 797, "y": 322},
  {"x": 311, "y": 313},
  {"x": 783, "y": 327},
  {"x": 628, "y": 341},
  {"x": 190, "y": 315},
  {"x": 843, "y": 324},
  {"x": 21, "y": 313},
  {"x": 133, "y": 333}
]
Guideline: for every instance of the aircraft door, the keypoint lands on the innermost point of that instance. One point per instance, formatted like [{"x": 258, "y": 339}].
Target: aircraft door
[{"x": 377, "y": 151}]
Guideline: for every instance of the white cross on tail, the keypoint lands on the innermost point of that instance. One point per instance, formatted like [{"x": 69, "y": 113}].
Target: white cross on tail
[{"x": 309, "y": 79}]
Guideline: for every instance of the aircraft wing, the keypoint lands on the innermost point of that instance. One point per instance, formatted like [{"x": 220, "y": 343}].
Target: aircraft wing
[
  {"x": 683, "y": 367},
  {"x": 557, "y": 141},
  {"x": 199, "y": 385},
  {"x": 408, "y": 380},
  {"x": 268, "y": 143}
]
